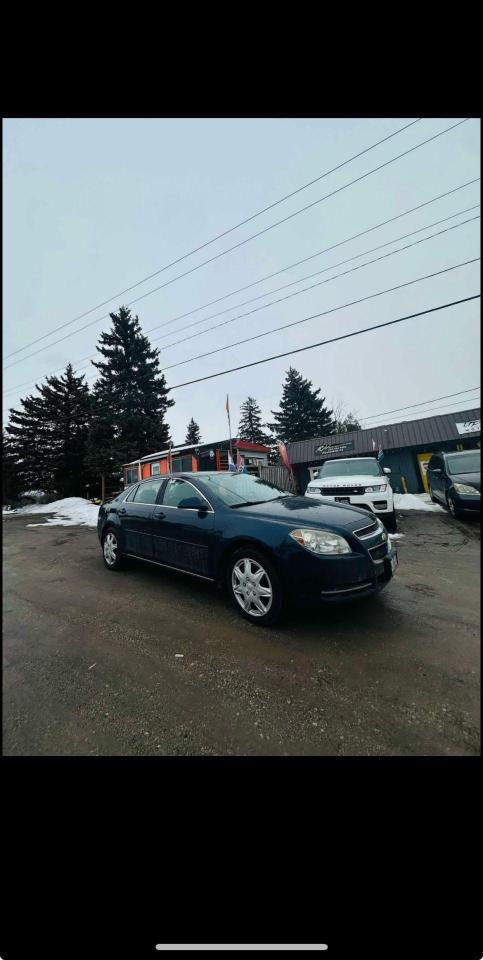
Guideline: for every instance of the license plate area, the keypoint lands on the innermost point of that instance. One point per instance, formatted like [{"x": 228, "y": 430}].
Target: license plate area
[{"x": 342, "y": 499}]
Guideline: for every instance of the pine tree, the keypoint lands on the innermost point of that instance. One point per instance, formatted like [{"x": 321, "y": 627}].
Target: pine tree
[
  {"x": 193, "y": 434},
  {"x": 12, "y": 484},
  {"x": 250, "y": 427},
  {"x": 47, "y": 437},
  {"x": 130, "y": 399},
  {"x": 302, "y": 413}
]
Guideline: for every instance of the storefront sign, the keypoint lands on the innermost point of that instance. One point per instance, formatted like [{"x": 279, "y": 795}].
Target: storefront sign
[
  {"x": 469, "y": 426},
  {"x": 328, "y": 448}
]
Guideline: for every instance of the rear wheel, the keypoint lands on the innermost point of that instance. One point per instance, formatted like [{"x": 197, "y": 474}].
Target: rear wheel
[
  {"x": 254, "y": 586},
  {"x": 111, "y": 553}
]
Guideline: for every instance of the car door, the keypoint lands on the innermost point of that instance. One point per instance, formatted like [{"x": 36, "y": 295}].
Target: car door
[
  {"x": 435, "y": 477},
  {"x": 183, "y": 529},
  {"x": 135, "y": 516}
]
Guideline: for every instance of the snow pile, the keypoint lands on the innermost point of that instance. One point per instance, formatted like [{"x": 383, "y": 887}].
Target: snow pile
[
  {"x": 72, "y": 511},
  {"x": 415, "y": 501}
]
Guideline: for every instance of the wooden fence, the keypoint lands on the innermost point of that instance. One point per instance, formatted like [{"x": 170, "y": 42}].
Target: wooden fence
[{"x": 280, "y": 476}]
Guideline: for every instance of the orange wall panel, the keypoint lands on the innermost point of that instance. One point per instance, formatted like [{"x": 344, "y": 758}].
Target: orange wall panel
[
  {"x": 146, "y": 471},
  {"x": 194, "y": 464},
  {"x": 163, "y": 467}
]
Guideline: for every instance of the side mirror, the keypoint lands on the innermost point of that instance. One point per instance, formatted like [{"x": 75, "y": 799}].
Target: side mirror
[
  {"x": 436, "y": 470},
  {"x": 386, "y": 469},
  {"x": 193, "y": 503}
]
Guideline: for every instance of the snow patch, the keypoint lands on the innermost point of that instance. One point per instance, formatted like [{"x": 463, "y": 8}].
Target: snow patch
[
  {"x": 69, "y": 512},
  {"x": 415, "y": 501}
]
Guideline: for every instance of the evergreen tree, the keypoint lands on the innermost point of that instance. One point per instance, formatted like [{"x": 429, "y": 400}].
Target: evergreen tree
[
  {"x": 193, "y": 434},
  {"x": 11, "y": 480},
  {"x": 302, "y": 413},
  {"x": 47, "y": 437},
  {"x": 130, "y": 400},
  {"x": 250, "y": 427}
]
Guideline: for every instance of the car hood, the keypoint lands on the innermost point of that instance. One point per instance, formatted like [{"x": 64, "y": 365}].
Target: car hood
[
  {"x": 474, "y": 479},
  {"x": 359, "y": 481},
  {"x": 305, "y": 510}
]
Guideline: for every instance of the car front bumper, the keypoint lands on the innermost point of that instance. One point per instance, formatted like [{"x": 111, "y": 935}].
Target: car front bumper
[
  {"x": 467, "y": 503},
  {"x": 337, "y": 579},
  {"x": 382, "y": 505}
]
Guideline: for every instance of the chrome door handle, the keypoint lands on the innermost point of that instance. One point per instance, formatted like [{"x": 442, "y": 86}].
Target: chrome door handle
[{"x": 160, "y": 516}]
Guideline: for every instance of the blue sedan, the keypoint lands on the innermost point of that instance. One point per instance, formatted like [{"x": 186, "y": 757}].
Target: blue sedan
[{"x": 265, "y": 545}]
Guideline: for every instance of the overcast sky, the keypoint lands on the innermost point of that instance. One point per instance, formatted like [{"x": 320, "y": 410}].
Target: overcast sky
[{"x": 92, "y": 206}]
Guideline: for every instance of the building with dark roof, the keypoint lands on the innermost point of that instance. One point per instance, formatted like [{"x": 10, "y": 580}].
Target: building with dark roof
[{"x": 407, "y": 447}]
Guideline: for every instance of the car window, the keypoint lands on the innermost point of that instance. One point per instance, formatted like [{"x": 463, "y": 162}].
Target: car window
[
  {"x": 131, "y": 493},
  {"x": 350, "y": 468},
  {"x": 177, "y": 491},
  {"x": 464, "y": 462},
  {"x": 147, "y": 492}
]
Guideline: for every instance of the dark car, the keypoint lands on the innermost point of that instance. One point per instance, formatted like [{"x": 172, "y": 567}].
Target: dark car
[
  {"x": 454, "y": 481},
  {"x": 264, "y": 544}
]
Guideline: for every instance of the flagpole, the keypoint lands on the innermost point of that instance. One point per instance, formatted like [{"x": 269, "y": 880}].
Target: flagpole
[{"x": 229, "y": 425}]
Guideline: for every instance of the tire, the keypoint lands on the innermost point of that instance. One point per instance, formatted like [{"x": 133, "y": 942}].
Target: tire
[
  {"x": 451, "y": 507},
  {"x": 244, "y": 569},
  {"x": 111, "y": 553},
  {"x": 391, "y": 523}
]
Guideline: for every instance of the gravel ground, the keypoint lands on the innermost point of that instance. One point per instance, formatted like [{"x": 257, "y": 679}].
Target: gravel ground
[{"x": 92, "y": 665}]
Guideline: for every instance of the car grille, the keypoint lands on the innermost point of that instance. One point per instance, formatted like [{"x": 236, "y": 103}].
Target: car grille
[
  {"x": 377, "y": 553},
  {"x": 367, "y": 530},
  {"x": 341, "y": 491}
]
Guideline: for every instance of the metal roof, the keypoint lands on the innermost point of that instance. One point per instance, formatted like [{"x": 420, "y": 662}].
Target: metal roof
[{"x": 393, "y": 436}]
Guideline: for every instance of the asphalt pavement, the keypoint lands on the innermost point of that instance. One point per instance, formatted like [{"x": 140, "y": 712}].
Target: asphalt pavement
[{"x": 151, "y": 662}]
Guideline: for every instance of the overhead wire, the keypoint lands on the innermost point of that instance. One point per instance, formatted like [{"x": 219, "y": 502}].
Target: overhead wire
[{"x": 229, "y": 249}]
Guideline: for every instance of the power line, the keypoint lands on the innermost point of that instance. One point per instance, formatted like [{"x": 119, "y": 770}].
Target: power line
[
  {"x": 313, "y": 285},
  {"x": 298, "y": 263},
  {"x": 388, "y": 423},
  {"x": 228, "y": 250},
  {"x": 410, "y": 406},
  {"x": 324, "y": 313},
  {"x": 277, "y": 272},
  {"x": 322, "y": 343},
  {"x": 220, "y": 235}
]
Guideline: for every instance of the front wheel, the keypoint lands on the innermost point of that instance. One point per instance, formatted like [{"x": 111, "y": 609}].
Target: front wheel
[
  {"x": 452, "y": 506},
  {"x": 391, "y": 523},
  {"x": 254, "y": 586},
  {"x": 111, "y": 553}
]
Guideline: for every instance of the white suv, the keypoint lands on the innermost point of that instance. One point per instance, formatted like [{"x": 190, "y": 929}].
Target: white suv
[{"x": 359, "y": 481}]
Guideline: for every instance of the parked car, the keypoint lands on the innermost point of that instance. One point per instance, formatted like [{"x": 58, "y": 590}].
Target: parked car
[
  {"x": 360, "y": 481},
  {"x": 265, "y": 545},
  {"x": 454, "y": 481}
]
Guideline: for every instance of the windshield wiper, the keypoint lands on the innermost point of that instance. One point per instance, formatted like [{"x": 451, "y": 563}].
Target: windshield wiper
[{"x": 247, "y": 503}]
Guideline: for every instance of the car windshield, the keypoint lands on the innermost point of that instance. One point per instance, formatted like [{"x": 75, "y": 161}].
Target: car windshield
[
  {"x": 241, "y": 489},
  {"x": 464, "y": 463},
  {"x": 350, "y": 468}
]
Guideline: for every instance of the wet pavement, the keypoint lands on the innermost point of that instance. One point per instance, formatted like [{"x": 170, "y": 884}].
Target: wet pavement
[{"x": 150, "y": 662}]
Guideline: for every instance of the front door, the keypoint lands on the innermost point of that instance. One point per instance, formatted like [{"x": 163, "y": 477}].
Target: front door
[
  {"x": 182, "y": 532},
  {"x": 135, "y": 515}
]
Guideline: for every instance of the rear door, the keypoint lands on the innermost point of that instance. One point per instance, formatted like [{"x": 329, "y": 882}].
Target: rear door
[
  {"x": 135, "y": 514},
  {"x": 183, "y": 529},
  {"x": 435, "y": 479}
]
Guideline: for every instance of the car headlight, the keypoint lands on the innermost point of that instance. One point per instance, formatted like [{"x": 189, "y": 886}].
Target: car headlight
[
  {"x": 320, "y": 541},
  {"x": 466, "y": 488},
  {"x": 380, "y": 489}
]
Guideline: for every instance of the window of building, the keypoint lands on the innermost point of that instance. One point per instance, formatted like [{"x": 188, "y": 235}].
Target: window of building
[
  {"x": 182, "y": 465},
  {"x": 132, "y": 475},
  {"x": 155, "y": 469},
  {"x": 147, "y": 492}
]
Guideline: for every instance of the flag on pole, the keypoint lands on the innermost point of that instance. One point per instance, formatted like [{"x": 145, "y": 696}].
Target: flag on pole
[
  {"x": 231, "y": 465},
  {"x": 284, "y": 456},
  {"x": 227, "y": 408},
  {"x": 240, "y": 463}
]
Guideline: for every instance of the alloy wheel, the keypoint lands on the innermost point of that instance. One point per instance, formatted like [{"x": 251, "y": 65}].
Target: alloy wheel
[
  {"x": 252, "y": 587},
  {"x": 110, "y": 549}
]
